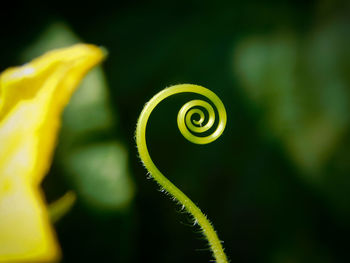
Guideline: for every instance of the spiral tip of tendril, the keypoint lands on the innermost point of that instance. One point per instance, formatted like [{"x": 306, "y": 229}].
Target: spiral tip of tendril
[{"x": 191, "y": 127}]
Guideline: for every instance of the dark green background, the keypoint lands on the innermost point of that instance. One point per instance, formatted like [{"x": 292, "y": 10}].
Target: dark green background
[{"x": 266, "y": 203}]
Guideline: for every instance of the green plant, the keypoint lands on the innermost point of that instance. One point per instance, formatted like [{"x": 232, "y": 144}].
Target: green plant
[{"x": 186, "y": 124}]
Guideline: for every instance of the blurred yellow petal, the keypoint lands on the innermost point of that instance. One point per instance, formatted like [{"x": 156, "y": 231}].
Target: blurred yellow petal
[
  {"x": 32, "y": 98},
  {"x": 26, "y": 234}
]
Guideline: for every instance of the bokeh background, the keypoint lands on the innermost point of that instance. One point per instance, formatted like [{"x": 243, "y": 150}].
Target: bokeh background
[{"x": 275, "y": 185}]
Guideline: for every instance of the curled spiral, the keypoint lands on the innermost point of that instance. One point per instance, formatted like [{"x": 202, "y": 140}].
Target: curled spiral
[
  {"x": 187, "y": 125},
  {"x": 190, "y": 127}
]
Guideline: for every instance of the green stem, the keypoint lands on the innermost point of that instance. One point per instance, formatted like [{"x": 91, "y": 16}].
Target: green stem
[
  {"x": 62, "y": 206},
  {"x": 186, "y": 127}
]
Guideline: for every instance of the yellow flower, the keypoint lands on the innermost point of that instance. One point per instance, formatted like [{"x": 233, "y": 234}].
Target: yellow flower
[{"x": 32, "y": 98}]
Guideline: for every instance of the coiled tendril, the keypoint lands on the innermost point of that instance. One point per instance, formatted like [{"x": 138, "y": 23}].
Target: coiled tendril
[{"x": 189, "y": 127}]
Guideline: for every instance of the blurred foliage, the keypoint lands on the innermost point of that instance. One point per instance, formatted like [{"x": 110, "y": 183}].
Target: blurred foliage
[
  {"x": 280, "y": 170},
  {"x": 101, "y": 175},
  {"x": 301, "y": 86},
  {"x": 98, "y": 172}
]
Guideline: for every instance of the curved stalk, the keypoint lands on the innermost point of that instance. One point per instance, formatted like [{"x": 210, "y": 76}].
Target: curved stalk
[{"x": 187, "y": 126}]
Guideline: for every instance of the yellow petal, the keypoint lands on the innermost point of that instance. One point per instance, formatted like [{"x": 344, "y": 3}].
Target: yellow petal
[
  {"x": 32, "y": 98},
  {"x": 25, "y": 231}
]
